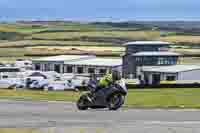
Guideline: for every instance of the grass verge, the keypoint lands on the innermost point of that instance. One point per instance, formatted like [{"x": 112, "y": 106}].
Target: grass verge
[
  {"x": 14, "y": 130},
  {"x": 164, "y": 98},
  {"x": 39, "y": 95},
  {"x": 144, "y": 98}
]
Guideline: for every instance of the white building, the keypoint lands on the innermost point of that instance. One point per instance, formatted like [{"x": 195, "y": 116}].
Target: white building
[
  {"x": 77, "y": 64},
  {"x": 94, "y": 65},
  {"x": 56, "y": 63},
  {"x": 183, "y": 73},
  {"x": 9, "y": 72}
]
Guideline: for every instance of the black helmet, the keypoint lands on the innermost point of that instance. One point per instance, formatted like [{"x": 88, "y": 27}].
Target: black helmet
[{"x": 116, "y": 75}]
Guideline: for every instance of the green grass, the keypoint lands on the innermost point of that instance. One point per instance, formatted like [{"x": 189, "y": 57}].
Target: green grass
[
  {"x": 134, "y": 35},
  {"x": 20, "y": 28},
  {"x": 50, "y": 130},
  {"x": 144, "y": 98},
  {"x": 62, "y": 27},
  {"x": 39, "y": 95},
  {"x": 35, "y": 43},
  {"x": 164, "y": 98},
  {"x": 14, "y": 130}
]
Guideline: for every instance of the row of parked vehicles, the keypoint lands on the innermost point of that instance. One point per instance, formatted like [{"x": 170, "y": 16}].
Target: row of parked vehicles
[{"x": 43, "y": 81}]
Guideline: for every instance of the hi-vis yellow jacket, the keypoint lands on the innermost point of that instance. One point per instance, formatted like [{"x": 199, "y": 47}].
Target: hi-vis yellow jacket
[{"x": 106, "y": 80}]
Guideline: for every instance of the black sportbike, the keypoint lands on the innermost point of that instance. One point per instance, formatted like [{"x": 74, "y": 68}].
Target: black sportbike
[{"x": 112, "y": 97}]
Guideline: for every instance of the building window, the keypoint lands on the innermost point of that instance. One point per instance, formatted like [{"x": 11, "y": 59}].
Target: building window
[
  {"x": 49, "y": 67},
  {"x": 79, "y": 70},
  {"x": 69, "y": 69},
  {"x": 57, "y": 68},
  {"x": 102, "y": 71},
  {"x": 5, "y": 76},
  {"x": 138, "y": 59},
  {"x": 91, "y": 70},
  {"x": 172, "y": 61},
  {"x": 171, "y": 78},
  {"x": 161, "y": 61},
  {"x": 37, "y": 66},
  {"x": 46, "y": 67}
]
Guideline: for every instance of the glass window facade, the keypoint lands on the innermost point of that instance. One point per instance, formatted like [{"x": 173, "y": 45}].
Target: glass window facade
[
  {"x": 167, "y": 60},
  {"x": 150, "y": 60},
  {"x": 91, "y": 70},
  {"x": 79, "y": 70},
  {"x": 37, "y": 66},
  {"x": 47, "y": 67},
  {"x": 102, "y": 71},
  {"x": 69, "y": 69},
  {"x": 171, "y": 78}
]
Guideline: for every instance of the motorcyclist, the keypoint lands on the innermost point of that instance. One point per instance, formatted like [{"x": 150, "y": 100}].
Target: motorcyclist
[
  {"x": 105, "y": 82},
  {"x": 110, "y": 78}
]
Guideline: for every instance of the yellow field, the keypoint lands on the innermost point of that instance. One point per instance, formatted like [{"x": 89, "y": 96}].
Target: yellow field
[
  {"x": 184, "y": 51},
  {"x": 182, "y": 39},
  {"x": 85, "y": 48}
]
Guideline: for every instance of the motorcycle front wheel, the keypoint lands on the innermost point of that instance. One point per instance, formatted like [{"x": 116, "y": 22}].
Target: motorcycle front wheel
[{"x": 115, "y": 101}]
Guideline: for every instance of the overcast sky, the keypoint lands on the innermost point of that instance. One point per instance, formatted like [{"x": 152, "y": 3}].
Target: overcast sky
[{"x": 100, "y": 9}]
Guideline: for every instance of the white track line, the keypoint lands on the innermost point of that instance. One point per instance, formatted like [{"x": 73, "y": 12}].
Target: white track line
[{"x": 172, "y": 122}]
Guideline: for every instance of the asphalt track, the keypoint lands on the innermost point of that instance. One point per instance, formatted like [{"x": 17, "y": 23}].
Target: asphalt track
[{"x": 63, "y": 117}]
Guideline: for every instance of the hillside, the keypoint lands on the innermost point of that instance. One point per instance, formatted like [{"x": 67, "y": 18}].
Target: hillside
[{"x": 40, "y": 38}]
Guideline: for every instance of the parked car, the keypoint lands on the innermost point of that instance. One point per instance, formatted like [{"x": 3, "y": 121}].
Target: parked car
[
  {"x": 31, "y": 83},
  {"x": 59, "y": 86},
  {"x": 9, "y": 82},
  {"x": 80, "y": 81},
  {"x": 38, "y": 84}
]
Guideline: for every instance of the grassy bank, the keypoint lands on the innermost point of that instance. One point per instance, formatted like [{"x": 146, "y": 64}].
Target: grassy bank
[
  {"x": 145, "y": 98},
  {"x": 36, "y": 39}
]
